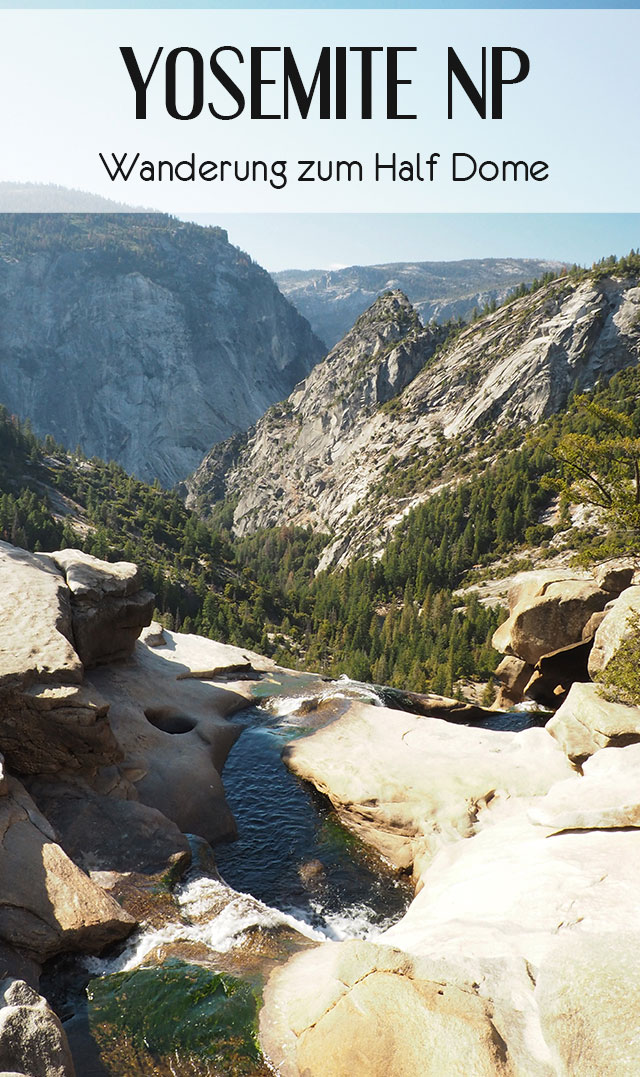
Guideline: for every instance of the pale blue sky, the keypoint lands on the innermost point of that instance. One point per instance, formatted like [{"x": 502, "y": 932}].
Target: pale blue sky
[
  {"x": 336, "y": 5},
  {"x": 576, "y": 110},
  {"x": 324, "y": 241}
]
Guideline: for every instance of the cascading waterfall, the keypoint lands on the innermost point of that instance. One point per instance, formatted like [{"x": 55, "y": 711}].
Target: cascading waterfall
[{"x": 294, "y": 877}]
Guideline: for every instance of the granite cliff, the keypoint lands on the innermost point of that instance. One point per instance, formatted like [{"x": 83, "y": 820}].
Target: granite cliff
[
  {"x": 394, "y": 397},
  {"x": 140, "y": 338}
]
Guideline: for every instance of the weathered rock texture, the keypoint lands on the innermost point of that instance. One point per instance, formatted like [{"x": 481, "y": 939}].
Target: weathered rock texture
[
  {"x": 319, "y": 458},
  {"x": 36, "y": 641},
  {"x": 564, "y": 626},
  {"x": 513, "y": 674},
  {"x": 518, "y": 954},
  {"x": 421, "y": 782},
  {"x": 577, "y": 988},
  {"x": 614, "y": 629},
  {"x": 121, "y": 753},
  {"x": 607, "y": 796},
  {"x": 377, "y": 1012},
  {"x": 47, "y": 904},
  {"x": 141, "y": 338},
  {"x": 332, "y": 301},
  {"x": 171, "y": 725},
  {"x": 31, "y": 1036},
  {"x": 587, "y": 721},
  {"x": 548, "y": 611},
  {"x": 109, "y": 609},
  {"x": 61, "y": 613},
  {"x": 109, "y": 832},
  {"x": 48, "y": 728}
]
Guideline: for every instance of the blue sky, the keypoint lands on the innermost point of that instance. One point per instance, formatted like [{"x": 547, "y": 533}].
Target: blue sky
[
  {"x": 352, "y": 5},
  {"x": 54, "y": 136},
  {"x": 329, "y": 240}
]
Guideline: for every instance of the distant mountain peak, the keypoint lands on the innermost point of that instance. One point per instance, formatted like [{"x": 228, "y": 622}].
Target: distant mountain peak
[
  {"x": 357, "y": 443},
  {"x": 332, "y": 300}
]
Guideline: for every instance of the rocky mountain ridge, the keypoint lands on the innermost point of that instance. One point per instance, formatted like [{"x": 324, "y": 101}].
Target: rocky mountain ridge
[
  {"x": 392, "y": 396},
  {"x": 332, "y": 300},
  {"x": 141, "y": 338}
]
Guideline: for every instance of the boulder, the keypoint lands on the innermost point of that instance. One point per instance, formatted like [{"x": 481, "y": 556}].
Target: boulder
[
  {"x": 513, "y": 675},
  {"x": 109, "y": 833},
  {"x": 409, "y": 784},
  {"x": 529, "y": 585},
  {"x": 109, "y": 609},
  {"x": 548, "y": 614},
  {"x": 90, "y": 580},
  {"x": 594, "y": 622},
  {"x": 587, "y": 721},
  {"x": 47, "y": 904},
  {"x": 108, "y": 632},
  {"x": 349, "y": 1023},
  {"x": 51, "y": 727},
  {"x": 607, "y": 796},
  {"x": 48, "y": 719},
  {"x": 35, "y": 614},
  {"x": 153, "y": 635},
  {"x": 615, "y": 628},
  {"x": 32, "y": 1040},
  {"x": 616, "y": 574}
]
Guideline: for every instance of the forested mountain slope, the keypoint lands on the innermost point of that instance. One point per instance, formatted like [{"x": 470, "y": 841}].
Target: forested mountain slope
[
  {"x": 399, "y": 618},
  {"x": 396, "y": 410},
  {"x": 142, "y": 339}
]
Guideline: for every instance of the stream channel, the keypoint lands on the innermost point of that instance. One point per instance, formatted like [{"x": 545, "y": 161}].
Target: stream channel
[{"x": 182, "y": 998}]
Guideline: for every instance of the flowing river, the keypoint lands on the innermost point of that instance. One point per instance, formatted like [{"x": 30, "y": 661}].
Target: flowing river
[
  {"x": 182, "y": 998},
  {"x": 292, "y": 853}
]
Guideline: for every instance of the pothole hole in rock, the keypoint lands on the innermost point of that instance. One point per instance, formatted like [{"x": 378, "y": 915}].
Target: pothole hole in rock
[{"x": 168, "y": 721}]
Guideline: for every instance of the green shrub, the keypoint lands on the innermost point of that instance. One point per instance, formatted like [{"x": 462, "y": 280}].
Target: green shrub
[{"x": 621, "y": 678}]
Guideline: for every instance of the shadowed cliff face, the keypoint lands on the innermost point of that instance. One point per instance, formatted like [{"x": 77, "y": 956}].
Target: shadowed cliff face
[
  {"x": 392, "y": 393},
  {"x": 140, "y": 338}
]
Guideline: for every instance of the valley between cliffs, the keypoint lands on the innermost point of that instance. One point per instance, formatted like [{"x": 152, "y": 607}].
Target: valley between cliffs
[{"x": 217, "y": 863}]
